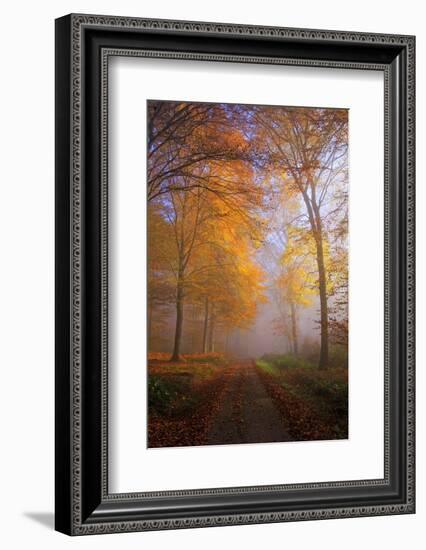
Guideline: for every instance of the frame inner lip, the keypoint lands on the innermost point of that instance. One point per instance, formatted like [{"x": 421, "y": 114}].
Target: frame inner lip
[{"x": 106, "y": 53}]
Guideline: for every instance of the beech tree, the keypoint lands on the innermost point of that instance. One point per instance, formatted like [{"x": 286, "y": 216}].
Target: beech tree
[
  {"x": 307, "y": 150},
  {"x": 199, "y": 177},
  {"x": 214, "y": 266}
]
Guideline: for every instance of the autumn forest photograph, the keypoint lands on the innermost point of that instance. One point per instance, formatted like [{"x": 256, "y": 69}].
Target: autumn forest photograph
[{"x": 247, "y": 273}]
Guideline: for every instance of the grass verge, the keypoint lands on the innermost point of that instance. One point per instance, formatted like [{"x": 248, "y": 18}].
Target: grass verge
[{"x": 313, "y": 402}]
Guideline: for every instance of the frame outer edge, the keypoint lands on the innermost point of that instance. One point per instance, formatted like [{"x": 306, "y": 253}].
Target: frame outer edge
[
  {"x": 63, "y": 496},
  {"x": 411, "y": 270},
  {"x": 77, "y": 22}
]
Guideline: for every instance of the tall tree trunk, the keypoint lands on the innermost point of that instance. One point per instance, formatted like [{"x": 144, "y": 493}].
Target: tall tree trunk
[
  {"x": 211, "y": 334},
  {"x": 179, "y": 318},
  {"x": 193, "y": 324},
  {"x": 150, "y": 312},
  {"x": 238, "y": 342},
  {"x": 316, "y": 227},
  {"x": 206, "y": 324},
  {"x": 323, "y": 360},
  {"x": 294, "y": 328}
]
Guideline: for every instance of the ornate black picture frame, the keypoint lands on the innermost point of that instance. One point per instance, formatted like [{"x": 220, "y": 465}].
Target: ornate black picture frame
[{"x": 83, "y": 503}]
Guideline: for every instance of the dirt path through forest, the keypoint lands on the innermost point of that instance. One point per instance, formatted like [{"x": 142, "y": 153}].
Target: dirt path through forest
[{"x": 247, "y": 413}]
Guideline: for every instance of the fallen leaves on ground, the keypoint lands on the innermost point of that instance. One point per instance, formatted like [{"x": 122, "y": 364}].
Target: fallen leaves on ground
[{"x": 187, "y": 419}]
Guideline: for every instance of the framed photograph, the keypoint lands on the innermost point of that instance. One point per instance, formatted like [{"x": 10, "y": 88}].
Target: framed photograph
[{"x": 234, "y": 274}]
